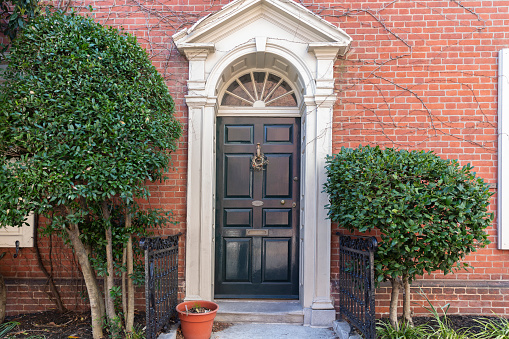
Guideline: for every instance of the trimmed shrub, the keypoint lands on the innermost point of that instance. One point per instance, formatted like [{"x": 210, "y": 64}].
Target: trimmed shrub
[{"x": 430, "y": 212}]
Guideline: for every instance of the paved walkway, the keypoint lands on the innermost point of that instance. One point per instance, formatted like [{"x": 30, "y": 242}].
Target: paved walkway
[{"x": 273, "y": 331}]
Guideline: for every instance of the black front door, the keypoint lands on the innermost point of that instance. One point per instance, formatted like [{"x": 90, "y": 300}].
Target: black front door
[{"x": 257, "y": 208}]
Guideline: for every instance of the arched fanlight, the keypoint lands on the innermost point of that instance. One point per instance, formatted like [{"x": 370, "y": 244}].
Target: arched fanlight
[{"x": 259, "y": 89}]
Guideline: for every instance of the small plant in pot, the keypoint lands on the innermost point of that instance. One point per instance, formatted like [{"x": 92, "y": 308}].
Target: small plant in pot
[{"x": 197, "y": 318}]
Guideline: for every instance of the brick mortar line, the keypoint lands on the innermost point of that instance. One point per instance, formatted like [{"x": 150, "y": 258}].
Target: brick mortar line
[
  {"x": 419, "y": 283},
  {"x": 41, "y": 281},
  {"x": 457, "y": 283}
]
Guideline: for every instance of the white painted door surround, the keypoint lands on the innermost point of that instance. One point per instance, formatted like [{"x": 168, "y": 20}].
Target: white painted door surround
[{"x": 284, "y": 38}]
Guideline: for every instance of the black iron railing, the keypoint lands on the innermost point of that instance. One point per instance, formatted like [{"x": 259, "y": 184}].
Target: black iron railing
[
  {"x": 161, "y": 282},
  {"x": 357, "y": 282}
]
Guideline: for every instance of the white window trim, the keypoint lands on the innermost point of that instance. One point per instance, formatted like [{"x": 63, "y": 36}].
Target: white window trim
[{"x": 503, "y": 150}]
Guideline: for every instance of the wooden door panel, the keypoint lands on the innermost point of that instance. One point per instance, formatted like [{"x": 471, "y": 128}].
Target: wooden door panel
[
  {"x": 237, "y": 259},
  {"x": 277, "y": 257},
  {"x": 257, "y": 212},
  {"x": 238, "y": 177},
  {"x": 277, "y": 176},
  {"x": 278, "y": 133},
  {"x": 239, "y": 134},
  {"x": 277, "y": 217},
  {"x": 238, "y": 217}
]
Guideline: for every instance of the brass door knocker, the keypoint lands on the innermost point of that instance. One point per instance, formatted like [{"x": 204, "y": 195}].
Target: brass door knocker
[{"x": 259, "y": 159}]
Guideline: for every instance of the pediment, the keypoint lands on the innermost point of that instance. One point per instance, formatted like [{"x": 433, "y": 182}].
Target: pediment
[{"x": 244, "y": 20}]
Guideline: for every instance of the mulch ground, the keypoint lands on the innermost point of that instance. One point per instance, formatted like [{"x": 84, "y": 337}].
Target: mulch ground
[
  {"x": 53, "y": 325},
  {"x": 74, "y": 325}
]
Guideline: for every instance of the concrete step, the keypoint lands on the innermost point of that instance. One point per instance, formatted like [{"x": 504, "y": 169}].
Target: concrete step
[{"x": 277, "y": 311}]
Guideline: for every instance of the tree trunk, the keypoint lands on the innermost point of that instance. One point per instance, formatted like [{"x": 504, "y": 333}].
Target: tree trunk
[
  {"x": 124, "y": 284},
  {"x": 393, "y": 310},
  {"x": 130, "y": 272},
  {"x": 407, "y": 312},
  {"x": 94, "y": 294},
  {"x": 110, "y": 278},
  {"x": 3, "y": 299},
  {"x": 88, "y": 249}
]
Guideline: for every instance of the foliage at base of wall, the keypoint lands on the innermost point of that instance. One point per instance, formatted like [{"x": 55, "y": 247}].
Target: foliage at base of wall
[{"x": 430, "y": 212}]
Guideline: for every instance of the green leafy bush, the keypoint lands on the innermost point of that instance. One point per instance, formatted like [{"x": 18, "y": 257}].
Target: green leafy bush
[
  {"x": 430, "y": 212},
  {"x": 85, "y": 103},
  {"x": 85, "y": 122},
  {"x": 14, "y": 16}
]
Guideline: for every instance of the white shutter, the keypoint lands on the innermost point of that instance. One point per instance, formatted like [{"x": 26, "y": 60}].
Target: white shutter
[{"x": 25, "y": 234}]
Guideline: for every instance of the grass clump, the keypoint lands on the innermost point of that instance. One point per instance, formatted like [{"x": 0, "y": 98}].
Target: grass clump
[
  {"x": 138, "y": 332},
  {"x": 443, "y": 328},
  {"x": 5, "y": 328},
  {"x": 385, "y": 330},
  {"x": 493, "y": 328}
]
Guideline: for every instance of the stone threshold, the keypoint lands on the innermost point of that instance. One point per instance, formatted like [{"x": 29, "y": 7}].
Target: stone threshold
[{"x": 260, "y": 311}]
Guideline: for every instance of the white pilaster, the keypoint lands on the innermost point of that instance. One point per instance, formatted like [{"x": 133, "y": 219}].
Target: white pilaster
[
  {"x": 309, "y": 202},
  {"x": 322, "y": 307},
  {"x": 208, "y": 179},
  {"x": 194, "y": 218},
  {"x": 200, "y": 194}
]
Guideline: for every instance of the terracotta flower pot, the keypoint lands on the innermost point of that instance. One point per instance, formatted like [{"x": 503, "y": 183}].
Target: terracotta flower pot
[{"x": 197, "y": 325}]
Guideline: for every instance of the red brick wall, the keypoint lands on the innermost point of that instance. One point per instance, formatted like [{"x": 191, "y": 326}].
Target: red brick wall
[
  {"x": 420, "y": 75},
  {"x": 27, "y": 290}
]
